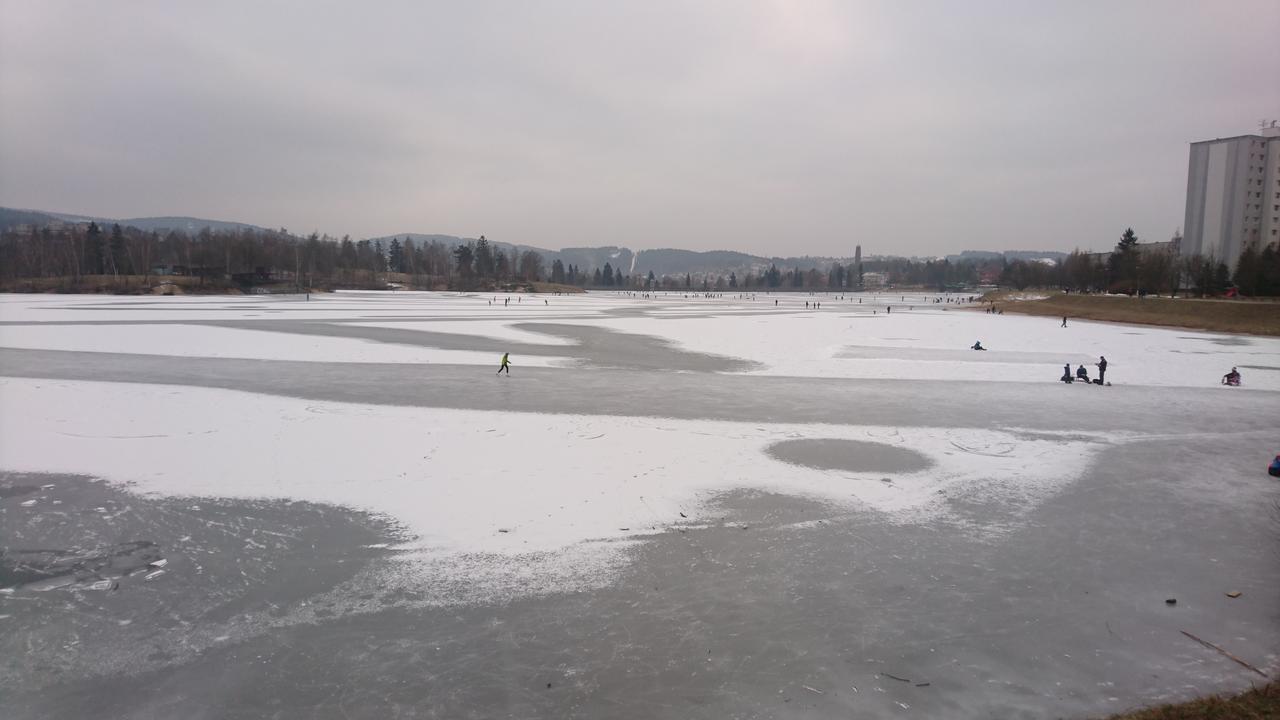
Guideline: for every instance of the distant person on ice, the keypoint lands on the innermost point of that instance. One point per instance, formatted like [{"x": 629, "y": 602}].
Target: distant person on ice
[
  {"x": 1066, "y": 374},
  {"x": 1102, "y": 370},
  {"x": 1082, "y": 374},
  {"x": 506, "y": 363},
  {"x": 977, "y": 345},
  {"x": 1064, "y": 321},
  {"x": 1232, "y": 378}
]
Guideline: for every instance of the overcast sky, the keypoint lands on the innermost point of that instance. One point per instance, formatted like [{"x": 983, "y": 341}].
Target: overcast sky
[{"x": 777, "y": 128}]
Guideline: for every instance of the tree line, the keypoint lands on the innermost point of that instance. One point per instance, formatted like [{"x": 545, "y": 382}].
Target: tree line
[
  {"x": 255, "y": 257},
  {"x": 1155, "y": 269}
]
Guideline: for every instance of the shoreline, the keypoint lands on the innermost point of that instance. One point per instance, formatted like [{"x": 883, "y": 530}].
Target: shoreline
[{"x": 1244, "y": 317}]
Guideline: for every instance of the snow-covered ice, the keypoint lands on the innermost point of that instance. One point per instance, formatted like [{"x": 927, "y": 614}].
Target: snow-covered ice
[
  {"x": 472, "y": 481},
  {"x": 508, "y": 483},
  {"x": 929, "y": 343}
]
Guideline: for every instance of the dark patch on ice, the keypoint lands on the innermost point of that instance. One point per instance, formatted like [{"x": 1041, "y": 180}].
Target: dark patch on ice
[
  {"x": 8, "y": 491},
  {"x": 1052, "y": 437},
  {"x": 849, "y": 455},
  {"x": 594, "y": 346},
  {"x": 1226, "y": 340},
  {"x": 601, "y": 347},
  {"x": 1261, "y": 367},
  {"x": 98, "y": 581},
  {"x": 47, "y": 569}
]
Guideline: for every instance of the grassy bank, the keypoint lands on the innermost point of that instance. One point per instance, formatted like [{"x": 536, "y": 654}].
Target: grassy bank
[
  {"x": 1261, "y": 703},
  {"x": 1256, "y": 317}
]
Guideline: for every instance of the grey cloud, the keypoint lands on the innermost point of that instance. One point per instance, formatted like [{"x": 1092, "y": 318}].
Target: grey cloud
[{"x": 765, "y": 127}]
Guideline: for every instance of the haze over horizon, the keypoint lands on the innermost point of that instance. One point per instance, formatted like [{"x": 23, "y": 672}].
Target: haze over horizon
[{"x": 774, "y": 128}]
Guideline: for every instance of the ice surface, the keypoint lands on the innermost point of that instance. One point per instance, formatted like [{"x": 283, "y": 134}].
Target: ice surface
[
  {"x": 468, "y": 482},
  {"x": 498, "y": 330},
  {"x": 929, "y": 343},
  {"x": 458, "y": 479},
  {"x": 215, "y": 342},
  {"x": 919, "y": 340}
]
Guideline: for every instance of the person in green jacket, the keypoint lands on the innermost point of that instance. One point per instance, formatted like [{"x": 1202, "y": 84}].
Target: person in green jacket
[{"x": 506, "y": 363}]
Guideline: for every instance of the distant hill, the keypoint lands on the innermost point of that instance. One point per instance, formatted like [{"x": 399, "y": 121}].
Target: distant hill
[
  {"x": 590, "y": 258},
  {"x": 586, "y": 258},
  {"x": 672, "y": 261},
  {"x": 187, "y": 224},
  {"x": 454, "y": 241},
  {"x": 10, "y": 217},
  {"x": 660, "y": 261}
]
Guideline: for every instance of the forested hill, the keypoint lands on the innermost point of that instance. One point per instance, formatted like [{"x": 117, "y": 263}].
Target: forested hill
[
  {"x": 661, "y": 261},
  {"x": 11, "y": 218},
  {"x": 583, "y": 257}
]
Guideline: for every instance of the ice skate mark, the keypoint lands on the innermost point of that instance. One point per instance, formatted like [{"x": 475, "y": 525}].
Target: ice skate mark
[
  {"x": 1006, "y": 452},
  {"x": 113, "y": 437},
  {"x": 885, "y": 435}
]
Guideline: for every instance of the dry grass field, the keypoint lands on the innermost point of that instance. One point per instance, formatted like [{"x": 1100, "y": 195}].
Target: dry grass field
[
  {"x": 1260, "y": 703},
  {"x": 1255, "y": 317}
]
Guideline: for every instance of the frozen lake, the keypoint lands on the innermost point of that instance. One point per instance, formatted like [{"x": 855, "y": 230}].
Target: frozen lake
[{"x": 674, "y": 506}]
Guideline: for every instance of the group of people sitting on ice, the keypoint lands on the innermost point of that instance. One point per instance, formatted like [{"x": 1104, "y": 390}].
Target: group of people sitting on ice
[{"x": 1082, "y": 374}]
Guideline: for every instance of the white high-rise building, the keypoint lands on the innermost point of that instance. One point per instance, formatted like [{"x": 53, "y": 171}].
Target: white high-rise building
[{"x": 1233, "y": 195}]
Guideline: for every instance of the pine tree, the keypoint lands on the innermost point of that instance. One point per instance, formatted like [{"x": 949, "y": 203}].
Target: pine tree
[
  {"x": 1269, "y": 271},
  {"x": 396, "y": 256},
  {"x": 465, "y": 257},
  {"x": 1221, "y": 278},
  {"x": 1248, "y": 270},
  {"x": 93, "y": 244},
  {"x": 1123, "y": 263},
  {"x": 608, "y": 274},
  {"x": 116, "y": 255},
  {"x": 485, "y": 265}
]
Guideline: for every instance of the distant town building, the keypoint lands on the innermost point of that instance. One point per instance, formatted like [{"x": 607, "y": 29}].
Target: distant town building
[
  {"x": 1233, "y": 195},
  {"x": 1172, "y": 246}
]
